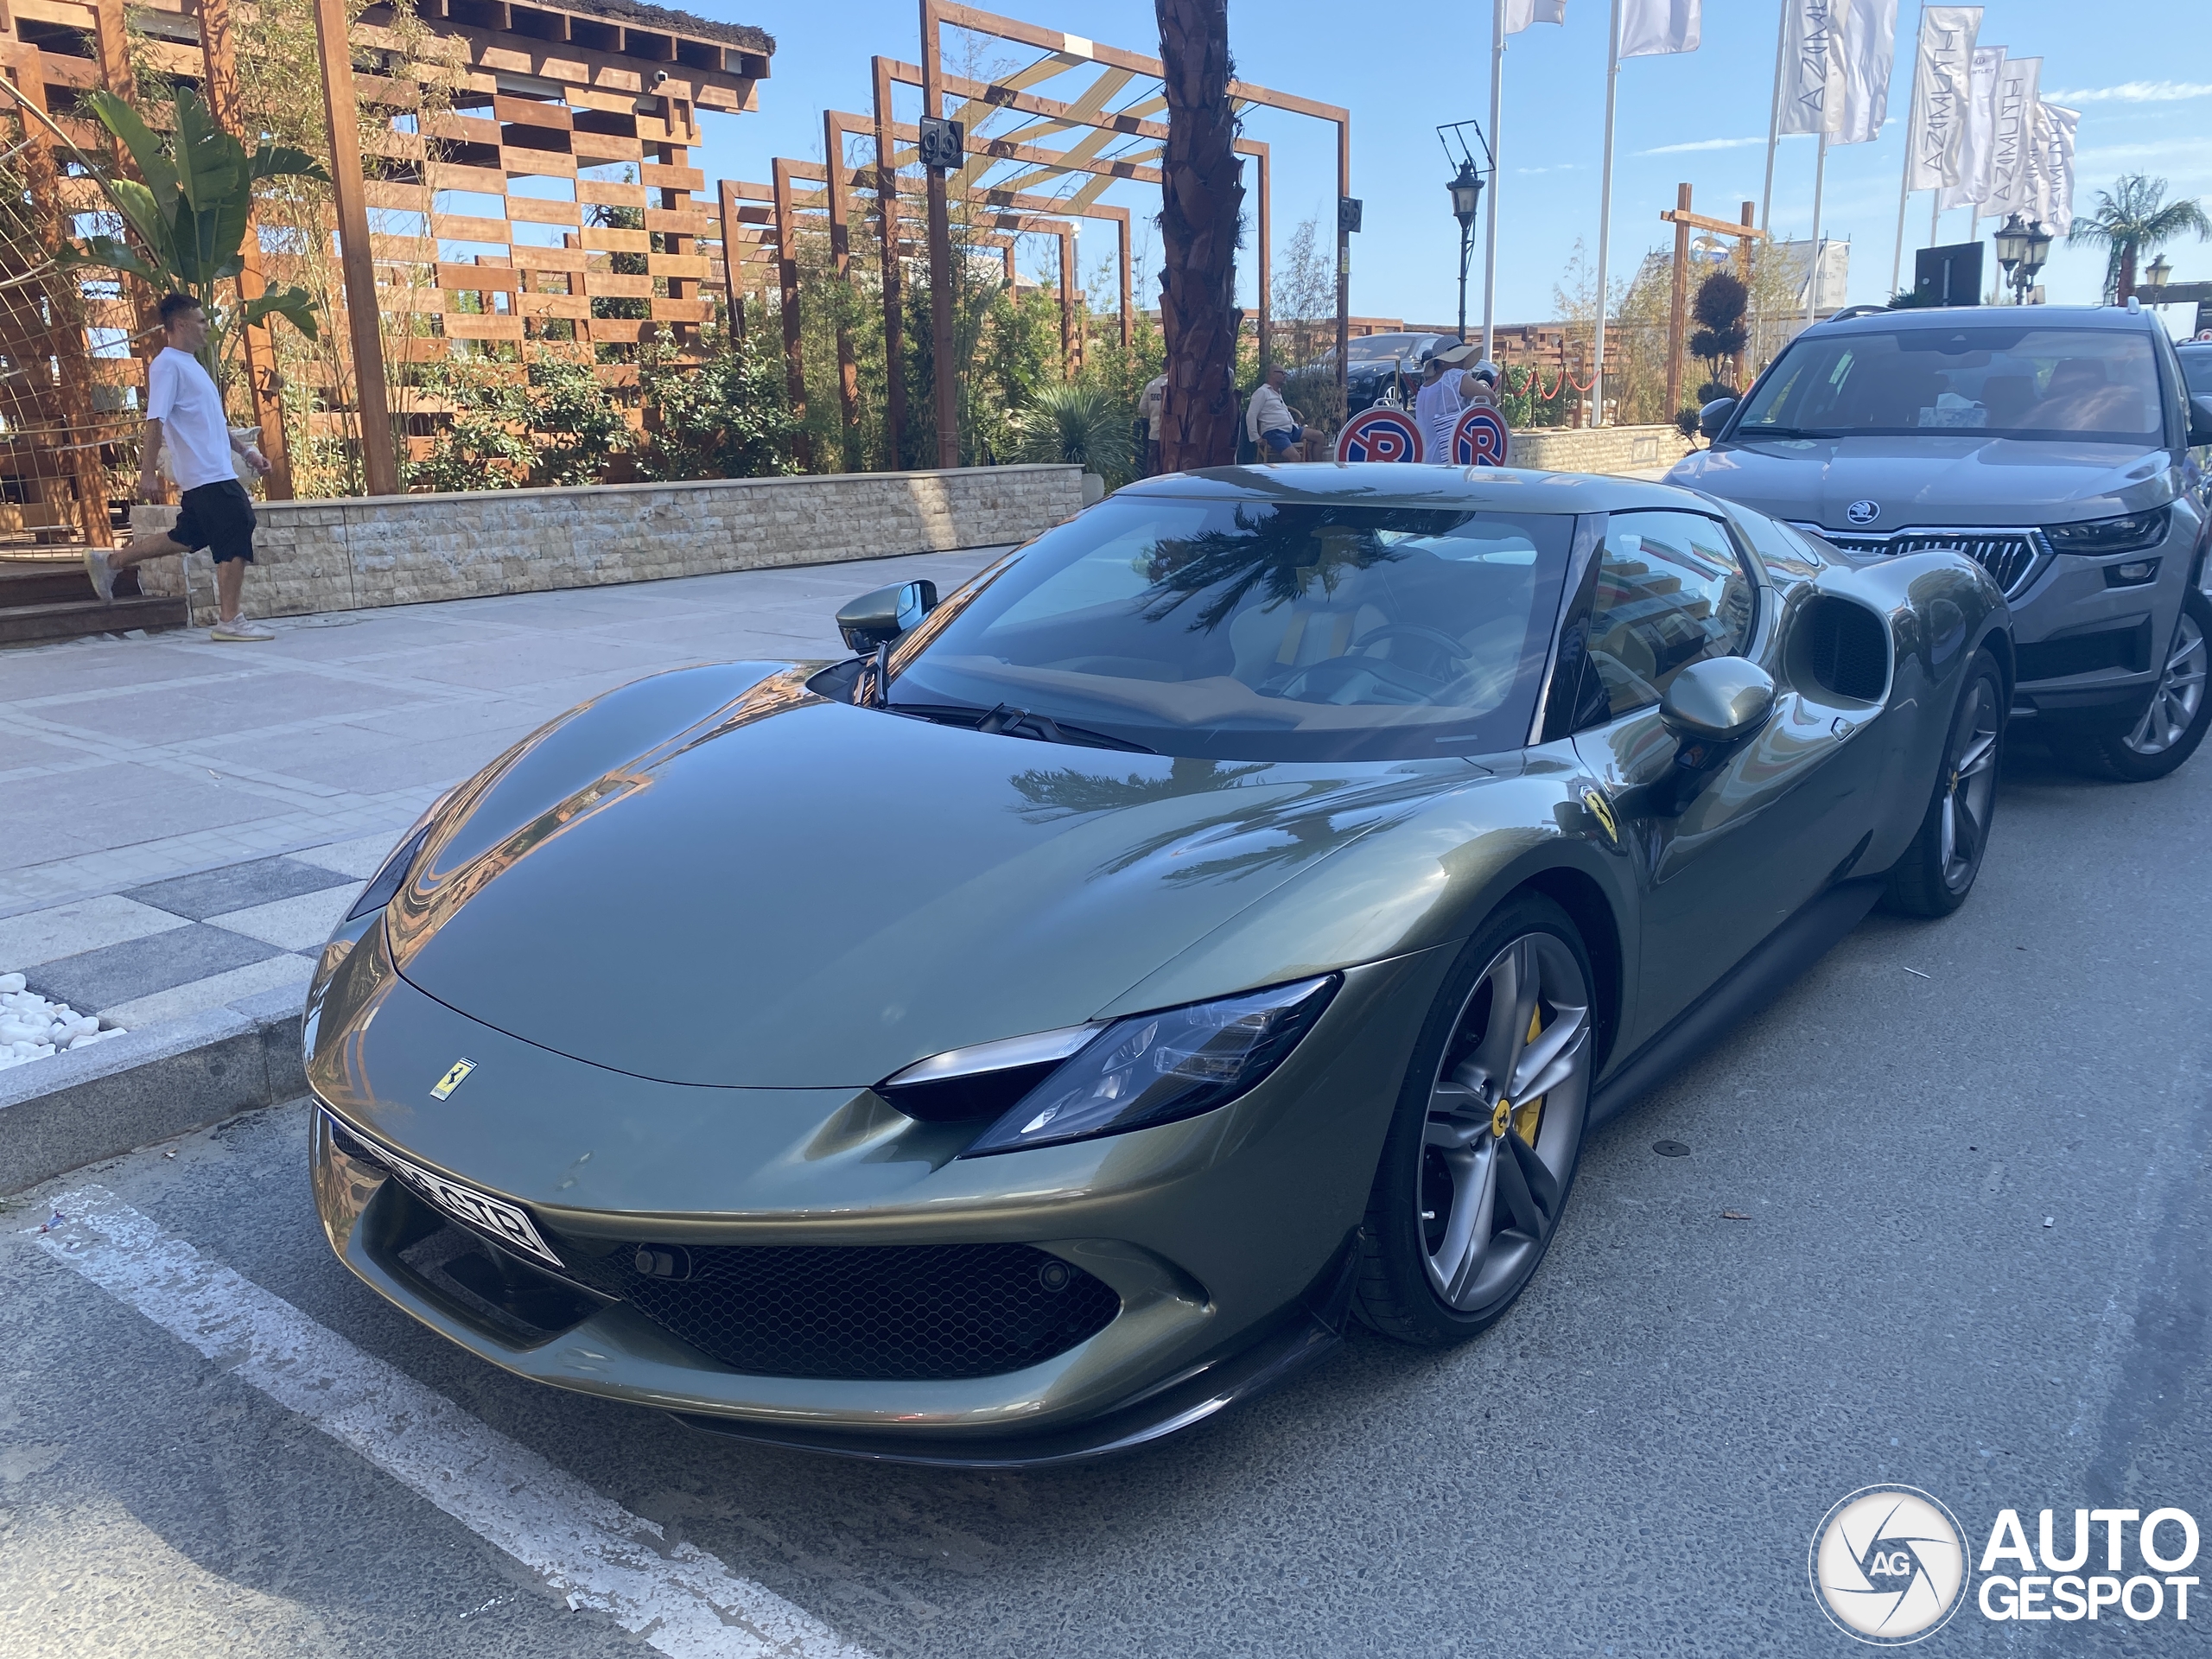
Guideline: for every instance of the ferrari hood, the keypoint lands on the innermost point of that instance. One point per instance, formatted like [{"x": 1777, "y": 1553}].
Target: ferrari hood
[
  {"x": 774, "y": 890},
  {"x": 1950, "y": 479}
]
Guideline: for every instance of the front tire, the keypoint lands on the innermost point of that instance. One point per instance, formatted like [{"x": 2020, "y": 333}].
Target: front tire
[
  {"x": 2174, "y": 722},
  {"x": 1482, "y": 1150},
  {"x": 1938, "y": 870}
]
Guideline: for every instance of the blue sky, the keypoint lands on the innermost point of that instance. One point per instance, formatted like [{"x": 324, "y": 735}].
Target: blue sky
[{"x": 2143, "y": 87}]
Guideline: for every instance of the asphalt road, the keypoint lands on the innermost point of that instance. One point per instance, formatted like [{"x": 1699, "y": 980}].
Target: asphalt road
[{"x": 1973, "y": 1155}]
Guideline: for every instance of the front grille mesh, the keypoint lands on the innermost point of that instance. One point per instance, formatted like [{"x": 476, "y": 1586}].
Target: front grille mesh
[
  {"x": 2009, "y": 556},
  {"x": 889, "y": 1313}
]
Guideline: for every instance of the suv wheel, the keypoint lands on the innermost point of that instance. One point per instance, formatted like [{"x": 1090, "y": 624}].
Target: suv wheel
[{"x": 2174, "y": 722}]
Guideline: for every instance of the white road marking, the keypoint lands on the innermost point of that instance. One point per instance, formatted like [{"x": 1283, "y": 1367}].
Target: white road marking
[{"x": 591, "y": 1549}]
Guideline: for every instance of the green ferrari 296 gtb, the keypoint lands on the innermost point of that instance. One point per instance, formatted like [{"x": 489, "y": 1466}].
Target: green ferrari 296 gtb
[{"x": 1223, "y": 918}]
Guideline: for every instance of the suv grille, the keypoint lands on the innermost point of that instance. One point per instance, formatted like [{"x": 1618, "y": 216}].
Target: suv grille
[
  {"x": 2010, "y": 556},
  {"x": 888, "y": 1313}
]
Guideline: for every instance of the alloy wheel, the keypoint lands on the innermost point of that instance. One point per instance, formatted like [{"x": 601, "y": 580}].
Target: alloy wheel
[
  {"x": 2180, "y": 693},
  {"x": 1505, "y": 1116},
  {"x": 1972, "y": 782}
]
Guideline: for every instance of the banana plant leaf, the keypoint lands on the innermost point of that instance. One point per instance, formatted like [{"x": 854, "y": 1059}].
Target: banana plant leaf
[
  {"x": 295, "y": 305},
  {"x": 106, "y": 253}
]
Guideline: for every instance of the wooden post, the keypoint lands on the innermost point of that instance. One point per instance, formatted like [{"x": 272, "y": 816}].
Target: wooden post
[
  {"x": 787, "y": 290},
  {"x": 1071, "y": 347},
  {"x": 343, "y": 111},
  {"x": 1676, "y": 317},
  {"x": 262, "y": 384},
  {"x": 840, "y": 261},
  {"x": 1128, "y": 304},
  {"x": 886, "y": 209},
  {"x": 734, "y": 294},
  {"x": 1744, "y": 271},
  {"x": 942, "y": 370}
]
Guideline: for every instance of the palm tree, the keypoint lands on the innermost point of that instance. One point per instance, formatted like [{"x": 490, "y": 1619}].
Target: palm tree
[
  {"x": 1202, "y": 197},
  {"x": 2133, "y": 218}
]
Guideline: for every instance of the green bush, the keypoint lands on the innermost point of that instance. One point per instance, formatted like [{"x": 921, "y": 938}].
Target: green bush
[
  {"x": 726, "y": 417},
  {"x": 1074, "y": 421}
]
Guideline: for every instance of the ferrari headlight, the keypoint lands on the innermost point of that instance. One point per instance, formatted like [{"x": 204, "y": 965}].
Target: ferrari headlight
[
  {"x": 2121, "y": 534},
  {"x": 1155, "y": 1068},
  {"x": 393, "y": 873}
]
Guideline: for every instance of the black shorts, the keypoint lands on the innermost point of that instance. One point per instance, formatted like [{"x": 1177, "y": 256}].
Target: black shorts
[{"x": 219, "y": 518}]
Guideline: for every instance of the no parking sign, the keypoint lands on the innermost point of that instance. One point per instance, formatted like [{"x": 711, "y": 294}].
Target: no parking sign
[
  {"x": 1481, "y": 438},
  {"x": 1380, "y": 434}
]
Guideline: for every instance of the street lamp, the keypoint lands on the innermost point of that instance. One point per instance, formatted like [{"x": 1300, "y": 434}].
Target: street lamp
[
  {"x": 2022, "y": 248},
  {"x": 1466, "y": 188},
  {"x": 2160, "y": 273}
]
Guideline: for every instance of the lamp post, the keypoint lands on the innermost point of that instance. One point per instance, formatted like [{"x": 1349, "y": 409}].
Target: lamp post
[
  {"x": 1466, "y": 190},
  {"x": 2022, "y": 248},
  {"x": 2157, "y": 275}
]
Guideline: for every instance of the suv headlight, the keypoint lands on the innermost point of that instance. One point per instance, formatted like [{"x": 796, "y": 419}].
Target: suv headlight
[
  {"x": 2122, "y": 535},
  {"x": 1147, "y": 1069}
]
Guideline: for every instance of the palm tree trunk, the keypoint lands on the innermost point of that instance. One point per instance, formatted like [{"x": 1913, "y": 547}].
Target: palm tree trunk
[
  {"x": 1200, "y": 204},
  {"x": 2127, "y": 271}
]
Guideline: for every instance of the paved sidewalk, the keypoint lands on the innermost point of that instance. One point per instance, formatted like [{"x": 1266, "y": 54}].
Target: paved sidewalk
[{"x": 181, "y": 823}]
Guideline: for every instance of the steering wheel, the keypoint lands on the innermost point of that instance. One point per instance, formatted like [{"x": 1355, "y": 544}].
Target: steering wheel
[{"x": 1453, "y": 649}]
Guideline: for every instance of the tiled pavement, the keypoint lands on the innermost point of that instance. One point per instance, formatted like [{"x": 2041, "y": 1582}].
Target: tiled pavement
[{"x": 181, "y": 823}]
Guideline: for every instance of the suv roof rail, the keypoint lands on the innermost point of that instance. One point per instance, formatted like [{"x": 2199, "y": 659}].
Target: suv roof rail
[{"x": 1851, "y": 311}]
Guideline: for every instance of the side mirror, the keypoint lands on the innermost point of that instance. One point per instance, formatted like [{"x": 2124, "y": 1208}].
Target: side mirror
[
  {"x": 1717, "y": 702},
  {"x": 879, "y": 618},
  {"x": 2200, "y": 421},
  {"x": 1714, "y": 416}
]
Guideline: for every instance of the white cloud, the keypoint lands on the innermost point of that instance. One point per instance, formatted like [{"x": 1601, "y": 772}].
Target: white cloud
[
  {"x": 1709, "y": 143},
  {"x": 2134, "y": 91}
]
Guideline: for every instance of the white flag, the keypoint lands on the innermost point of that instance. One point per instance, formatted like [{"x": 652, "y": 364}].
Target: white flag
[
  {"x": 2052, "y": 202},
  {"x": 1940, "y": 79},
  {"x": 1870, "y": 46},
  {"x": 1811, "y": 66},
  {"x": 2014, "y": 140},
  {"x": 1979, "y": 144},
  {"x": 1519, "y": 14},
  {"x": 1652, "y": 26}
]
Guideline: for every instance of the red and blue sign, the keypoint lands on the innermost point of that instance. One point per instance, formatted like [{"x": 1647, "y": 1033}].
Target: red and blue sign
[
  {"x": 1380, "y": 434},
  {"x": 1481, "y": 438}
]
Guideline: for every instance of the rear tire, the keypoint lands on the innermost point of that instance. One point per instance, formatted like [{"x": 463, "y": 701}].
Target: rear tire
[
  {"x": 2174, "y": 723},
  {"x": 1938, "y": 869},
  {"x": 1473, "y": 1177}
]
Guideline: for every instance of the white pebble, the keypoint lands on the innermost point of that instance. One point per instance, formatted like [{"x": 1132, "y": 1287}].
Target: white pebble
[{"x": 11, "y": 983}]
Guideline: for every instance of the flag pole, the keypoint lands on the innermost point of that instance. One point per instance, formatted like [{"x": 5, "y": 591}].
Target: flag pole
[
  {"x": 1904, "y": 176},
  {"x": 1774, "y": 113},
  {"x": 1497, "y": 173},
  {"x": 1820, "y": 180},
  {"x": 1606, "y": 216}
]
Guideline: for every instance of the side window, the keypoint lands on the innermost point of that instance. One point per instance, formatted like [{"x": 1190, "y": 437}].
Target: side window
[{"x": 1671, "y": 590}]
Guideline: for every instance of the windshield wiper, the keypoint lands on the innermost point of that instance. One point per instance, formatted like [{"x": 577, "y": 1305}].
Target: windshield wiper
[
  {"x": 1743, "y": 432},
  {"x": 1007, "y": 720}
]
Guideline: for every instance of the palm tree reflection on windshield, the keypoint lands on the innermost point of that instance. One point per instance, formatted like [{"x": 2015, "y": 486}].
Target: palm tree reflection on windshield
[{"x": 1284, "y": 553}]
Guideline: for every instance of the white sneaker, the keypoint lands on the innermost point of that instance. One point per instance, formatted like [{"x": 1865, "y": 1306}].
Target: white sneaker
[
  {"x": 101, "y": 572},
  {"x": 236, "y": 630}
]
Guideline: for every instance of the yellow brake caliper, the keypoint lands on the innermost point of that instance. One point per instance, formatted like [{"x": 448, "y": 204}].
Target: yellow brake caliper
[{"x": 1530, "y": 1113}]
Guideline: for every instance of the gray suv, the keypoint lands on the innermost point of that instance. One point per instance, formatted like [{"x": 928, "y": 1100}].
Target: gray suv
[{"x": 2050, "y": 444}]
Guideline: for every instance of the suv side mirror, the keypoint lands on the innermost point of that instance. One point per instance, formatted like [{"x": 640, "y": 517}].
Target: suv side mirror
[
  {"x": 1714, "y": 416},
  {"x": 2200, "y": 421},
  {"x": 879, "y": 618}
]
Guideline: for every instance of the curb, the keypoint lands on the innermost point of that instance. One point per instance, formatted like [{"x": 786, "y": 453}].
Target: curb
[{"x": 71, "y": 1110}]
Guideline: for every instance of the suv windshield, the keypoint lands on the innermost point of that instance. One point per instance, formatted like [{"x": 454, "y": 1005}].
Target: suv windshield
[
  {"x": 1994, "y": 380},
  {"x": 1256, "y": 630}
]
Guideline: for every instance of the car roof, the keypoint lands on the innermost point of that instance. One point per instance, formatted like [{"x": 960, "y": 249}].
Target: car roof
[
  {"x": 2115, "y": 317},
  {"x": 1396, "y": 484}
]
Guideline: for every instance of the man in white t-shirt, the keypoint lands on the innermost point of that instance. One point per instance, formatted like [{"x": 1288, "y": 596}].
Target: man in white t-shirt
[
  {"x": 1271, "y": 423},
  {"x": 184, "y": 412}
]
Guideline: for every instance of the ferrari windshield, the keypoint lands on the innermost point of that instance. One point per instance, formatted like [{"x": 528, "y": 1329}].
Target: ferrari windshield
[
  {"x": 1256, "y": 630},
  {"x": 1991, "y": 380}
]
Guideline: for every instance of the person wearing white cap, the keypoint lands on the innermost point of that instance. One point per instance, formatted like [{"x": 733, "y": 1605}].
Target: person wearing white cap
[{"x": 1438, "y": 403}]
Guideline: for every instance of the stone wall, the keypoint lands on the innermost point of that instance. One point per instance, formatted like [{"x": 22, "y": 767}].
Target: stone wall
[
  {"x": 354, "y": 555},
  {"x": 1598, "y": 448}
]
